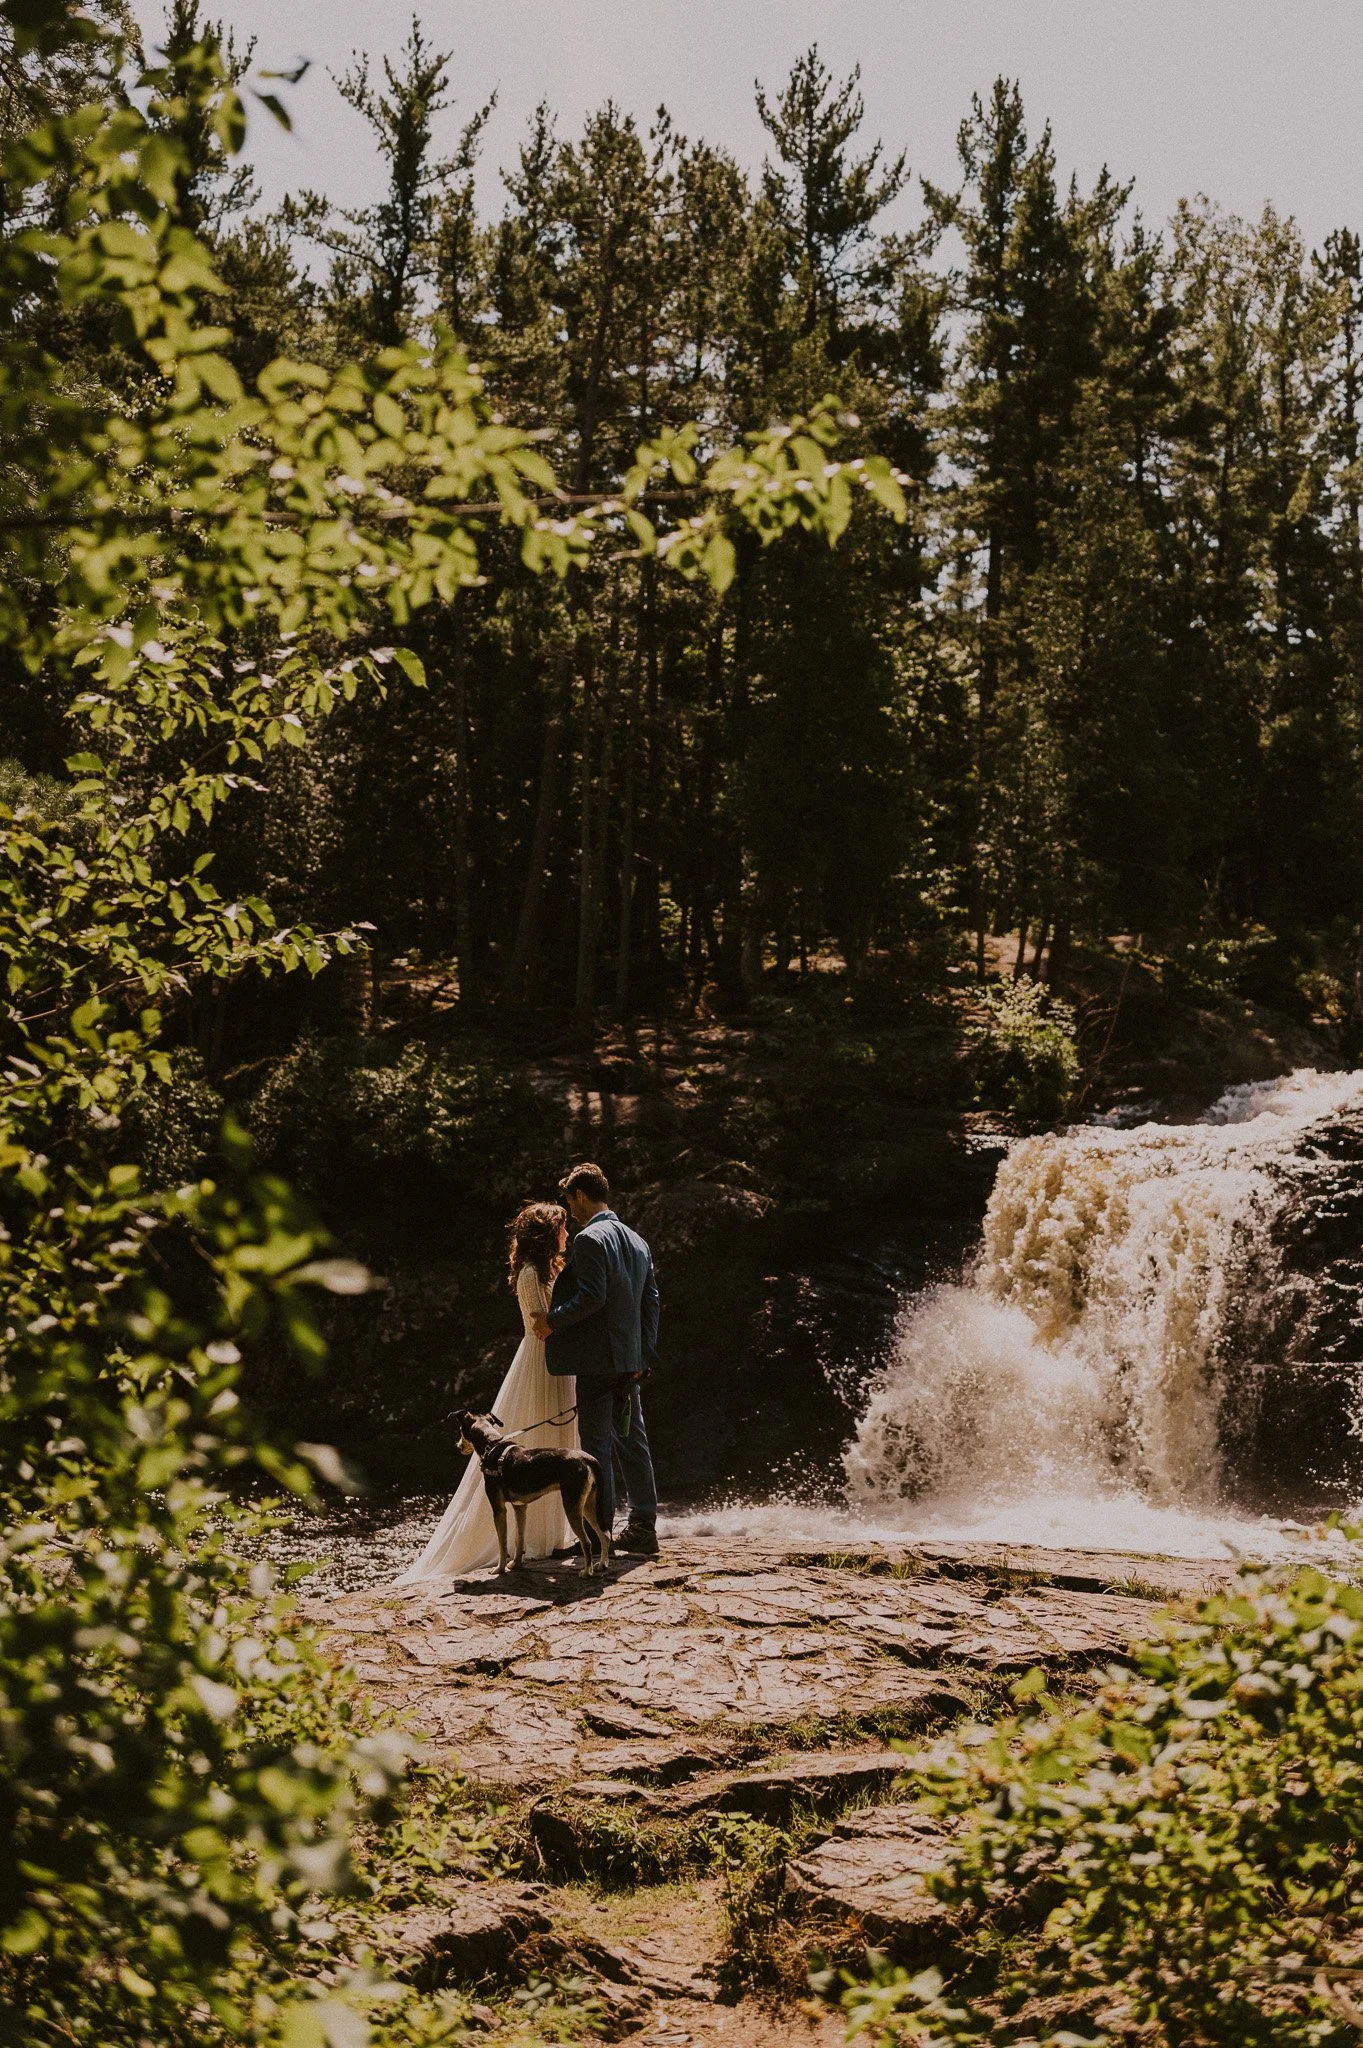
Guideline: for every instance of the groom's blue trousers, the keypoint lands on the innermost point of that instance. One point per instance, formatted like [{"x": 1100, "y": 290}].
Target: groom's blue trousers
[{"x": 596, "y": 1433}]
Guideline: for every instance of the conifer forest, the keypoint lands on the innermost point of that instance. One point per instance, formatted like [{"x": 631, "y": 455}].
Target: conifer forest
[{"x": 1103, "y": 678}]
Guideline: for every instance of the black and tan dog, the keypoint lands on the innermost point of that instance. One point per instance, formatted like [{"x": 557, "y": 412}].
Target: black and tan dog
[{"x": 514, "y": 1477}]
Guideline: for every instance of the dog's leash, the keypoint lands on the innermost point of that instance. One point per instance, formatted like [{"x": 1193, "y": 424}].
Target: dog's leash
[{"x": 550, "y": 1422}]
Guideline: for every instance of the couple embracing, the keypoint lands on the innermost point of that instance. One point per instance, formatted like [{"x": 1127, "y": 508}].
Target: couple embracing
[{"x": 590, "y": 1314}]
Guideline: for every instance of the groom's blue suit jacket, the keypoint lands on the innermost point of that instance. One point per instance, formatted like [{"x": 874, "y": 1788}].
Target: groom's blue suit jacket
[{"x": 604, "y": 1317}]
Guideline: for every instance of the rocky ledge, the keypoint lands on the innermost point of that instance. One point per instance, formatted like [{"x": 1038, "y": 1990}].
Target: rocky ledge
[
  {"x": 721, "y": 1679},
  {"x": 664, "y": 1667}
]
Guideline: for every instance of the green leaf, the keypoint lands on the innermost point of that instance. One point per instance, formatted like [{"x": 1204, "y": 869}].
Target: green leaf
[
  {"x": 720, "y": 563},
  {"x": 411, "y": 666},
  {"x": 327, "y": 1462},
  {"x": 324, "y": 2023},
  {"x": 389, "y": 417},
  {"x": 274, "y": 105},
  {"x": 229, "y": 121},
  {"x": 24, "y": 1934},
  {"x": 160, "y": 162},
  {"x": 156, "y": 1466},
  {"x": 216, "y": 1699},
  {"x": 338, "y": 1276}
]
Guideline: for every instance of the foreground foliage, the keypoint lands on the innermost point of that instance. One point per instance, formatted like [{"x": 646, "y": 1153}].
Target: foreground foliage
[
  {"x": 182, "y": 562},
  {"x": 1185, "y": 1848}
]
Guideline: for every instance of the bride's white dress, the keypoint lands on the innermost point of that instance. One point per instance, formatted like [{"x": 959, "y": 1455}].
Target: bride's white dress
[{"x": 466, "y": 1539}]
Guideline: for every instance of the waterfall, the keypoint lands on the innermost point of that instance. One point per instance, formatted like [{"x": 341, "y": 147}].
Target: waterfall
[{"x": 1079, "y": 1375}]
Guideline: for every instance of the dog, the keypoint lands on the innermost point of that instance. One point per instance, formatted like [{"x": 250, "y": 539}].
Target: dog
[{"x": 514, "y": 1477}]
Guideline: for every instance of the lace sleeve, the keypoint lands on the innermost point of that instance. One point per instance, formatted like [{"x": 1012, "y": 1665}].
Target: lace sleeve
[{"x": 531, "y": 1296}]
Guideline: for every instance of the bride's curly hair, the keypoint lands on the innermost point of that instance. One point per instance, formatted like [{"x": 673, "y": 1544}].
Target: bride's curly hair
[{"x": 533, "y": 1239}]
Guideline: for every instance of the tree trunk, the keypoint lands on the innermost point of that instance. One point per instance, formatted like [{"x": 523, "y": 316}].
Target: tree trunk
[
  {"x": 752, "y": 960},
  {"x": 527, "y": 928},
  {"x": 650, "y": 881},
  {"x": 527, "y": 925},
  {"x": 625, "y": 934},
  {"x": 582, "y": 985},
  {"x": 594, "y": 819},
  {"x": 1021, "y": 960},
  {"x": 463, "y": 909}
]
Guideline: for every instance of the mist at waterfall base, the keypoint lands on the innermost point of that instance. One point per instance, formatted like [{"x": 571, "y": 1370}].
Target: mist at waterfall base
[{"x": 1070, "y": 1390}]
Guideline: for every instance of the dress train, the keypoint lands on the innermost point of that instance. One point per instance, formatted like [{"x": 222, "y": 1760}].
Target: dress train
[{"x": 465, "y": 1539}]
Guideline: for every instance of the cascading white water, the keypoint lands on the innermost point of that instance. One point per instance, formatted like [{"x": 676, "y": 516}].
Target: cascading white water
[{"x": 1070, "y": 1389}]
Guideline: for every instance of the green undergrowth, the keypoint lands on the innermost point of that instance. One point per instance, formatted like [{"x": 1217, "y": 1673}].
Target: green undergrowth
[
  {"x": 1184, "y": 1844},
  {"x": 444, "y": 1830},
  {"x": 869, "y": 1564},
  {"x": 844, "y": 1730},
  {"x": 1137, "y": 1588}
]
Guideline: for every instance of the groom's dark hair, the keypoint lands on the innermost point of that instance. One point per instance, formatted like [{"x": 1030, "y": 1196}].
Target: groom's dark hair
[{"x": 585, "y": 1179}]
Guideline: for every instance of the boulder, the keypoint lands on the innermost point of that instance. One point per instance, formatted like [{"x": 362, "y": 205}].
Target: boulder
[
  {"x": 700, "y": 1216},
  {"x": 469, "y": 1936},
  {"x": 821, "y": 1777},
  {"x": 654, "y": 1962},
  {"x": 871, "y": 1873}
]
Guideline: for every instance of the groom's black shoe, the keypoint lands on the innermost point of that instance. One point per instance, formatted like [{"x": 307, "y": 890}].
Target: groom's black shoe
[{"x": 640, "y": 1537}]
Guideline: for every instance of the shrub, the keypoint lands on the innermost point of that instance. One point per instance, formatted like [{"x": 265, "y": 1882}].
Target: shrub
[
  {"x": 339, "y": 1109},
  {"x": 1191, "y": 1842},
  {"x": 171, "y": 1129},
  {"x": 1026, "y": 1057},
  {"x": 177, "y": 1776}
]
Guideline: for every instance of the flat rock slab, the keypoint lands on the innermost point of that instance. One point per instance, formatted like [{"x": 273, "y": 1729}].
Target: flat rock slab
[
  {"x": 872, "y": 1872},
  {"x": 518, "y": 1679},
  {"x": 816, "y": 1777},
  {"x": 660, "y": 1966},
  {"x": 469, "y": 1937}
]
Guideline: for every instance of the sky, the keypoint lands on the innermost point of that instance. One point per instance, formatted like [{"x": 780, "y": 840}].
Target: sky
[{"x": 1245, "y": 100}]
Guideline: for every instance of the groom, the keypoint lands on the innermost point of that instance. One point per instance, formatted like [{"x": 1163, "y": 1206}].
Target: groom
[{"x": 603, "y": 1326}]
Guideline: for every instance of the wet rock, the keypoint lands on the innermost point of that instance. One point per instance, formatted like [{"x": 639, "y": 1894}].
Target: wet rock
[
  {"x": 470, "y": 1936},
  {"x": 499, "y": 1738},
  {"x": 1014, "y": 1566},
  {"x": 871, "y": 1874},
  {"x": 468, "y": 1649},
  {"x": 1007, "y": 1631}
]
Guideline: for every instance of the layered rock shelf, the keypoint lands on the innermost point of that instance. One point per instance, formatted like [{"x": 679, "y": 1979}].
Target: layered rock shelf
[
  {"x": 722, "y": 1679},
  {"x": 658, "y": 1669}
]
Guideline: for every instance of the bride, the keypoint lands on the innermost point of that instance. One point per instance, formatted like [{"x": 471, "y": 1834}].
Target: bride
[{"x": 465, "y": 1539}]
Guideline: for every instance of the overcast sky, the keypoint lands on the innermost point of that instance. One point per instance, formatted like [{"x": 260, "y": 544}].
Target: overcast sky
[{"x": 1247, "y": 100}]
